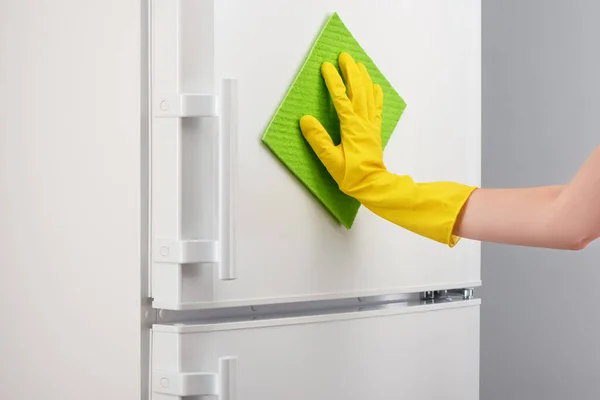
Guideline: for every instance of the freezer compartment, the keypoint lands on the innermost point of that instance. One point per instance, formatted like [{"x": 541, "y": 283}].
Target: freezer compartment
[{"x": 421, "y": 350}]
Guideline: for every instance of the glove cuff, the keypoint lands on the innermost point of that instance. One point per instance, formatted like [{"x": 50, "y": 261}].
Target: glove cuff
[{"x": 427, "y": 209}]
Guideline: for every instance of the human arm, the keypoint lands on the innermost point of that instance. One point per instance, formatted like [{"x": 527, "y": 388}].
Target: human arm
[
  {"x": 559, "y": 217},
  {"x": 356, "y": 164}
]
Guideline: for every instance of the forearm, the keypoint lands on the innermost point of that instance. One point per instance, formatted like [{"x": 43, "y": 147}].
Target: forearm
[
  {"x": 510, "y": 216},
  {"x": 577, "y": 209},
  {"x": 560, "y": 217}
]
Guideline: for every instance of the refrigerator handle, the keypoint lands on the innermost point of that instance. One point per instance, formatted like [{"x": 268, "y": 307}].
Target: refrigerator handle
[
  {"x": 222, "y": 250},
  {"x": 227, "y": 178},
  {"x": 185, "y": 384},
  {"x": 228, "y": 378}
]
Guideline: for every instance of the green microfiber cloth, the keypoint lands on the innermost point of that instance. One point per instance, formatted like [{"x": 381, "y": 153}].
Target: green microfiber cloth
[{"x": 308, "y": 95}]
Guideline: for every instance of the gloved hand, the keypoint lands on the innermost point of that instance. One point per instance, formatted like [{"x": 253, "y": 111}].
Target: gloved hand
[{"x": 356, "y": 164}]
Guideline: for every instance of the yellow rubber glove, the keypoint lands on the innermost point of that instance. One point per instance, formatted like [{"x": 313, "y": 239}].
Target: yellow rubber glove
[{"x": 356, "y": 164}]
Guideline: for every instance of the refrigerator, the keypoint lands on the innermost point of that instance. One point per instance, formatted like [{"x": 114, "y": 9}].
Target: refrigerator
[{"x": 138, "y": 144}]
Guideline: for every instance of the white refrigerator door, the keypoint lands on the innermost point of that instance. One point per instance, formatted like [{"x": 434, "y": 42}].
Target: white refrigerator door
[
  {"x": 285, "y": 246},
  {"x": 424, "y": 352}
]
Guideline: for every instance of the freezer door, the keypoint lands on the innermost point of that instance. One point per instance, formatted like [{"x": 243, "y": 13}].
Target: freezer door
[
  {"x": 230, "y": 224},
  {"x": 424, "y": 352}
]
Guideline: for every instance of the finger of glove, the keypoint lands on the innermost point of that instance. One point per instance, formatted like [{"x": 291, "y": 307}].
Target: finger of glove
[
  {"x": 370, "y": 97},
  {"x": 321, "y": 143},
  {"x": 378, "y": 100},
  {"x": 356, "y": 86},
  {"x": 337, "y": 90}
]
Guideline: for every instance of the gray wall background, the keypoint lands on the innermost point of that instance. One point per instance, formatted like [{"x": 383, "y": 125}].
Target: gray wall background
[{"x": 541, "y": 119}]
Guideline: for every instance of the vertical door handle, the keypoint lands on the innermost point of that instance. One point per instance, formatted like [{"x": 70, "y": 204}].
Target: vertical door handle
[
  {"x": 228, "y": 378},
  {"x": 222, "y": 250},
  {"x": 227, "y": 178}
]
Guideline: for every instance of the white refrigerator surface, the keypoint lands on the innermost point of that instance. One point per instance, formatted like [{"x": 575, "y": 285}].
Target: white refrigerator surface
[
  {"x": 95, "y": 185},
  {"x": 286, "y": 245},
  {"x": 384, "y": 353}
]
